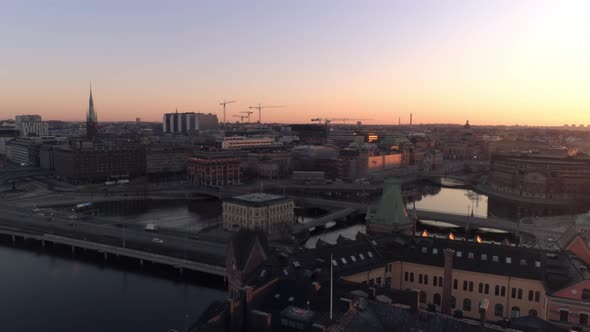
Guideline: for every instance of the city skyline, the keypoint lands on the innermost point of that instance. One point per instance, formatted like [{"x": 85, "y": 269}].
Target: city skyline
[{"x": 490, "y": 62}]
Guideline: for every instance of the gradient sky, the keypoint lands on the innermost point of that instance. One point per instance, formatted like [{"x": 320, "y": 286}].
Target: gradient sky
[{"x": 492, "y": 62}]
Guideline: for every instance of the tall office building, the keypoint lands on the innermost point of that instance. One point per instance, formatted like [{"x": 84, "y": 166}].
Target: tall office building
[
  {"x": 184, "y": 122},
  {"x": 31, "y": 125},
  {"x": 91, "y": 119}
]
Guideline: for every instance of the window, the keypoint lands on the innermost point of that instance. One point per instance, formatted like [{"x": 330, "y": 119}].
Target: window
[
  {"x": 471, "y": 286},
  {"x": 513, "y": 292},
  {"x": 353, "y": 259},
  {"x": 362, "y": 256},
  {"x": 343, "y": 260},
  {"x": 378, "y": 281},
  {"x": 411, "y": 276},
  {"x": 537, "y": 296},
  {"x": 495, "y": 259},
  {"x": 455, "y": 284},
  {"x": 459, "y": 254},
  {"x": 515, "y": 312},
  {"x": 334, "y": 262},
  {"x": 424, "y": 250},
  {"x": 434, "y": 280},
  {"x": 370, "y": 254},
  {"x": 470, "y": 255},
  {"x": 503, "y": 291},
  {"x": 487, "y": 289},
  {"x": 436, "y": 299},
  {"x": 508, "y": 260},
  {"x": 426, "y": 279},
  {"x": 435, "y": 251},
  {"x": 586, "y": 294},
  {"x": 520, "y": 293},
  {"x": 497, "y": 290},
  {"x": 406, "y": 276},
  {"x": 480, "y": 288},
  {"x": 484, "y": 257},
  {"x": 466, "y": 305},
  {"x": 584, "y": 319},
  {"x": 440, "y": 281},
  {"x": 420, "y": 280},
  {"x": 537, "y": 264},
  {"x": 453, "y": 302},
  {"x": 564, "y": 315},
  {"x": 523, "y": 262},
  {"x": 464, "y": 285},
  {"x": 530, "y": 295},
  {"x": 422, "y": 297},
  {"x": 499, "y": 310}
]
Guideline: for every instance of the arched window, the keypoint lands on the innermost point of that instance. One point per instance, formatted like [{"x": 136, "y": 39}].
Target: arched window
[
  {"x": 533, "y": 313},
  {"x": 515, "y": 312},
  {"x": 467, "y": 305},
  {"x": 499, "y": 310},
  {"x": 436, "y": 299},
  {"x": 422, "y": 297}
]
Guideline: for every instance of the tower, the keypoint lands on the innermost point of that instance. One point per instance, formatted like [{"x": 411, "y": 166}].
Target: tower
[
  {"x": 91, "y": 119},
  {"x": 391, "y": 215}
]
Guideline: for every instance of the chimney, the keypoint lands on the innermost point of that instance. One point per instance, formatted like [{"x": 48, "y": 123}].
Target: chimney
[
  {"x": 410, "y": 119},
  {"x": 447, "y": 292},
  {"x": 483, "y": 308}
]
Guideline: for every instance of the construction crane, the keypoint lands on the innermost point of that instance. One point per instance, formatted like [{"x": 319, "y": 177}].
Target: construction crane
[
  {"x": 259, "y": 108},
  {"x": 327, "y": 121},
  {"x": 247, "y": 114},
  {"x": 241, "y": 117},
  {"x": 225, "y": 103}
]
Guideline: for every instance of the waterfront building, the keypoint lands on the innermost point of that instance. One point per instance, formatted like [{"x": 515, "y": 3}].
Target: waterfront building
[
  {"x": 269, "y": 213},
  {"x": 541, "y": 176},
  {"x": 188, "y": 121},
  {"x": 166, "y": 160},
  {"x": 97, "y": 161},
  {"x": 243, "y": 142},
  {"x": 214, "y": 169},
  {"x": 360, "y": 285}
]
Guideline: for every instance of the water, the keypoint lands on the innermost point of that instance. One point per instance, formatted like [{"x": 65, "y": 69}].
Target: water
[{"x": 43, "y": 292}]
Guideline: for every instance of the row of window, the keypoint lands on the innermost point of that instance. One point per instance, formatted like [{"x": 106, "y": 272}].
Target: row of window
[
  {"x": 564, "y": 316},
  {"x": 484, "y": 257},
  {"x": 483, "y": 288},
  {"x": 467, "y": 305}
]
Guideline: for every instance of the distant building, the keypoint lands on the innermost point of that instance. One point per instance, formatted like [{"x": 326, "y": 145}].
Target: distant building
[
  {"x": 191, "y": 121},
  {"x": 25, "y": 150},
  {"x": 91, "y": 119},
  {"x": 243, "y": 142},
  {"x": 97, "y": 161},
  {"x": 313, "y": 134},
  {"x": 270, "y": 165},
  {"x": 166, "y": 160},
  {"x": 31, "y": 125},
  {"x": 6, "y": 134},
  {"x": 213, "y": 169},
  {"x": 541, "y": 175},
  {"x": 271, "y": 214}
]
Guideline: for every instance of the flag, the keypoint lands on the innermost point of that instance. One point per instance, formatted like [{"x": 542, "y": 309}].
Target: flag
[
  {"x": 478, "y": 239},
  {"x": 424, "y": 233},
  {"x": 451, "y": 236}
]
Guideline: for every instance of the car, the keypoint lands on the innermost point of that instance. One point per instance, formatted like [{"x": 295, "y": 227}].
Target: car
[{"x": 157, "y": 240}]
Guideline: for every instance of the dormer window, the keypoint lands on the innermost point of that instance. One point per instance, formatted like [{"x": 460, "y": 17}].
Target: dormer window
[
  {"x": 508, "y": 260},
  {"x": 424, "y": 250},
  {"x": 459, "y": 254},
  {"x": 484, "y": 257},
  {"x": 435, "y": 251},
  {"x": 495, "y": 259},
  {"x": 470, "y": 255},
  {"x": 537, "y": 263}
]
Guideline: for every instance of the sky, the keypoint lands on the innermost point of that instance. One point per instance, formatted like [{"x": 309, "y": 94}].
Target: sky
[{"x": 492, "y": 62}]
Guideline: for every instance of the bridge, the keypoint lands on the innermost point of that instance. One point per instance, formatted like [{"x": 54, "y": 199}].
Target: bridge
[{"x": 184, "y": 252}]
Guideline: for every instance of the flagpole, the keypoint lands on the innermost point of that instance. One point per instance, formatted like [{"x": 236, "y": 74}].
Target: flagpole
[{"x": 331, "y": 283}]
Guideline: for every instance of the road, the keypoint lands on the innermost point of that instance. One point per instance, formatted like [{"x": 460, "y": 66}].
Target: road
[{"x": 189, "y": 247}]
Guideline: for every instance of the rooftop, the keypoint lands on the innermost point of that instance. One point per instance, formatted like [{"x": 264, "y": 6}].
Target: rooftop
[{"x": 258, "y": 199}]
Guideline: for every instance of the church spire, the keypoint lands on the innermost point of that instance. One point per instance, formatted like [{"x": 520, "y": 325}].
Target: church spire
[{"x": 91, "y": 118}]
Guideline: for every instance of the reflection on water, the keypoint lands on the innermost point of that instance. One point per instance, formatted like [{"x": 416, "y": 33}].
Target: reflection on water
[
  {"x": 459, "y": 201},
  {"x": 53, "y": 293}
]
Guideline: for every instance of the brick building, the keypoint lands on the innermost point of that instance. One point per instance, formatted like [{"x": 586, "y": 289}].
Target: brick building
[{"x": 213, "y": 169}]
